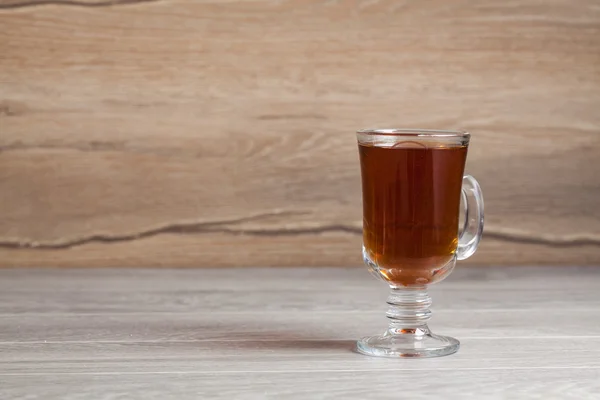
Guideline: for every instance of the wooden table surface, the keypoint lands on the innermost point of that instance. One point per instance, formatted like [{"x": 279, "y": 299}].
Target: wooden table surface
[{"x": 288, "y": 334}]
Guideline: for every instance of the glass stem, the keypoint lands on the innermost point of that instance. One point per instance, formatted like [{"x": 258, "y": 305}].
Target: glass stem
[{"x": 409, "y": 311}]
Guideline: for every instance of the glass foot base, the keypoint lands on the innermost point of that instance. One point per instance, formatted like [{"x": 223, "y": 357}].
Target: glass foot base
[{"x": 418, "y": 344}]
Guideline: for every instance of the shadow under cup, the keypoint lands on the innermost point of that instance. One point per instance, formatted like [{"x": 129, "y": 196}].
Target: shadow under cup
[{"x": 411, "y": 187}]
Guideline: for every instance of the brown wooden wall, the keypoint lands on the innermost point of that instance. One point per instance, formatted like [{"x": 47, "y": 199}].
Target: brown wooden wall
[{"x": 221, "y": 132}]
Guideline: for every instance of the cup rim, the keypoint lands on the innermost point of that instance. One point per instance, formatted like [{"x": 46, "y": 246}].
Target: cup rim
[{"x": 415, "y": 132}]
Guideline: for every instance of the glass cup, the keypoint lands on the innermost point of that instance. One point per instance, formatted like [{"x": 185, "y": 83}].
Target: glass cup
[{"x": 413, "y": 191}]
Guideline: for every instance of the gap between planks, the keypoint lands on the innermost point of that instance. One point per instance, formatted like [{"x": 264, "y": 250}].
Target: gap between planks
[
  {"x": 184, "y": 372},
  {"x": 172, "y": 341}
]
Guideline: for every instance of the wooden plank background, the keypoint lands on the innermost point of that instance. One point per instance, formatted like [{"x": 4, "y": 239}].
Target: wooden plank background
[{"x": 221, "y": 133}]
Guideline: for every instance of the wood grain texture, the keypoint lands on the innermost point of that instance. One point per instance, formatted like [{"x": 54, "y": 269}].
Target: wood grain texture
[
  {"x": 180, "y": 333},
  {"x": 571, "y": 384},
  {"x": 211, "y": 133}
]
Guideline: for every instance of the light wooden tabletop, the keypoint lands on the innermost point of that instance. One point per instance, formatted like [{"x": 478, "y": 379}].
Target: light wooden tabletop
[{"x": 288, "y": 334}]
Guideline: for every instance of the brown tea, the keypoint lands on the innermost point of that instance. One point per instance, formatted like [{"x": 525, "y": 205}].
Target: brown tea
[{"x": 411, "y": 200}]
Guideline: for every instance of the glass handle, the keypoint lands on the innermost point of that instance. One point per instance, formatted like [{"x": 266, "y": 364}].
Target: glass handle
[{"x": 473, "y": 229}]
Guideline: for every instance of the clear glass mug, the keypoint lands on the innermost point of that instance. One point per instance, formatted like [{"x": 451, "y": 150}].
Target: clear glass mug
[{"x": 413, "y": 190}]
